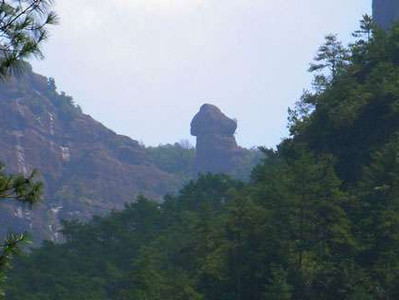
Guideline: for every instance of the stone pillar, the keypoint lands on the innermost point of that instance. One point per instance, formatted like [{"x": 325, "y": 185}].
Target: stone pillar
[
  {"x": 216, "y": 149},
  {"x": 386, "y": 12}
]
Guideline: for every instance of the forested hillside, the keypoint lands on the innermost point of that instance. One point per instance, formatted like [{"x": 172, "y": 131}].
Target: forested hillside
[{"x": 319, "y": 219}]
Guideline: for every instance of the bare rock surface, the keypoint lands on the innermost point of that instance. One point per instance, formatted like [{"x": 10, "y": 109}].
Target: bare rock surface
[
  {"x": 87, "y": 169},
  {"x": 216, "y": 150},
  {"x": 386, "y": 12}
]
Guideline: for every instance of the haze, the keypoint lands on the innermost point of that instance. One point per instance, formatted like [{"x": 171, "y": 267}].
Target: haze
[{"x": 144, "y": 67}]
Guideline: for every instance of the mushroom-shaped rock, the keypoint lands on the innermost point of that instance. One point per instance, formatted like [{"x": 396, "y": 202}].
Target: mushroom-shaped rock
[
  {"x": 210, "y": 120},
  {"x": 386, "y": 12},
  {"x": 216, "y": 150}
]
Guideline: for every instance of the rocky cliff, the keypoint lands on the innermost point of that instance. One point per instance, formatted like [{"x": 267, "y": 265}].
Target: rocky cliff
[
  {"x": 87, "y": 169},
  {"x": 386, "y": 12},
  {"x": 216, "y": 149}
]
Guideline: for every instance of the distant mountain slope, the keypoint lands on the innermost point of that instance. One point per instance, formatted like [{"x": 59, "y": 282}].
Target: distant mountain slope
[{"x": 87, "y": 168}]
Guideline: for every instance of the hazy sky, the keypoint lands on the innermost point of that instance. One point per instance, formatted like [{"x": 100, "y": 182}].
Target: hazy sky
[{"x": 144, "y": 67}]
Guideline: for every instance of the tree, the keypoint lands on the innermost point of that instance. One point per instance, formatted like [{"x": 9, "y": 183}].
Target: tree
[
  {"x": 23, "y": 28},
  {"x": 333, "y": 56},
  {"x": 364, "y": 36},
  {"x": 26, "y": 190},
  {"x": 367, "y": 26}
]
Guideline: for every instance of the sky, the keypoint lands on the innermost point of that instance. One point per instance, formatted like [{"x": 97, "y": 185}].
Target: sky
[{"x": 144, "y": 67}]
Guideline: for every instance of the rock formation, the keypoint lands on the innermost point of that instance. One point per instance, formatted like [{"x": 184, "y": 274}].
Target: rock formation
[
  {"x": 87, "y": 169},
  {"x": 216, "y": 149},
  {"x": 386, "y": 12}
]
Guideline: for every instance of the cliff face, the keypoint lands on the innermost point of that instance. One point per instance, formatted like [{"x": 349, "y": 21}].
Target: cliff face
[
  {"x": 87, "y": 169},
  {"x": 386, "y": 12},
  {"x": 216, "y": 150}
]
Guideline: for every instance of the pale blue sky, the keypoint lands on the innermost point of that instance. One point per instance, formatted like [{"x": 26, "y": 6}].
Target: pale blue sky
[{"x": 144, "y": 67}]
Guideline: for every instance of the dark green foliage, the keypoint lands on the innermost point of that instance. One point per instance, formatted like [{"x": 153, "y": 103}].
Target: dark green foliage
[
  {"x": 126, "y": 253},
  {"x": 278, "y": 288},
  {"x": 319, "y": 218},
  {"x": 217, "y": 239}
]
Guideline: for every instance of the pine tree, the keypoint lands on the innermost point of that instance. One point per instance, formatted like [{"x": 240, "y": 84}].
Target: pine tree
[
  {"x": 330, "y": 61},
  {"x": 23, "y": 28},
  {"x": 26, "y": 190},
  {"x": 367, "y": 25}
]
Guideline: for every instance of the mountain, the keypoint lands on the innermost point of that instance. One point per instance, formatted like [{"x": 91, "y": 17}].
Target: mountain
[{"x": 87, "y": 169}]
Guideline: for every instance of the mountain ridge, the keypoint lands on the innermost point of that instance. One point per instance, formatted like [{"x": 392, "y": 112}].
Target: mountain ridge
[{"x": 87, "y": 168}]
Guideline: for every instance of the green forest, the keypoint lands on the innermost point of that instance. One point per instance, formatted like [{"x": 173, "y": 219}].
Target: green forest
[{"x": 319, "y": 218}]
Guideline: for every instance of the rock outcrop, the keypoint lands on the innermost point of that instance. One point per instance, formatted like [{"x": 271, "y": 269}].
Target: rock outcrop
[
  {"x": 386, "y": 12},
  {"x": 216, "y": 149},
  {"x": 87, "y": 169}
]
